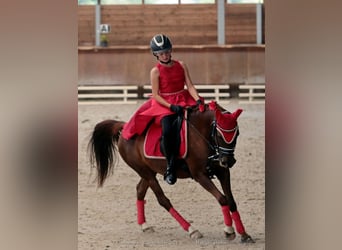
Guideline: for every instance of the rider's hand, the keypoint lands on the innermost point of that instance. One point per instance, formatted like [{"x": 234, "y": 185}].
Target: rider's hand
[
  {"x": 177, "y": 109},
  {"x": 200, "y": 104}
]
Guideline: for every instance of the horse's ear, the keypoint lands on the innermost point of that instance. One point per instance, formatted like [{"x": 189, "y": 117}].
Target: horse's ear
[{"x": 237, "y": 113}]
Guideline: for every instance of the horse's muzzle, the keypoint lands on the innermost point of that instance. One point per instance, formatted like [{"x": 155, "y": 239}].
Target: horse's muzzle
[{"x": 227, "y": 161}]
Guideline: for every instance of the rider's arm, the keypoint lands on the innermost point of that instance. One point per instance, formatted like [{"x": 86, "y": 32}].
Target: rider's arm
[
  {"x": 154, "y": 75},
  {"x": 191, "y": 88}
]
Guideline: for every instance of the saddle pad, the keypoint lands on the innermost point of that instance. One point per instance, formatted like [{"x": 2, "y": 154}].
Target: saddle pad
[{"x": 152, "y": 142}]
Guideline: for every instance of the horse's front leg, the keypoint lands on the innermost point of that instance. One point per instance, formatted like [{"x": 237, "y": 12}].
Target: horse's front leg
[
  {"x": 208, "y": 185},
  {"x": 230, "y": 211}
]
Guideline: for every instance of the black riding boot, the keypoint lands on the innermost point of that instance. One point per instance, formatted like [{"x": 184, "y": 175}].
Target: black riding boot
[
  {"x": 170, "y": 174},
  {"x": 169, "y": 148}
]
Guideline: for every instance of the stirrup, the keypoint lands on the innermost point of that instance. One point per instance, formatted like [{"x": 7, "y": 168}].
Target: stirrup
[{"x": 170, "y": 177}]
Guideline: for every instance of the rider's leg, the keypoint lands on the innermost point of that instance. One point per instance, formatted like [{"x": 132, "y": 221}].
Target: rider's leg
[{"x": 169, "y": 148}]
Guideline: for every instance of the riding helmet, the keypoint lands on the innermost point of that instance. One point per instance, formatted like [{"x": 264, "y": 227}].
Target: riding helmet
[{"x": 160, "y": 43}]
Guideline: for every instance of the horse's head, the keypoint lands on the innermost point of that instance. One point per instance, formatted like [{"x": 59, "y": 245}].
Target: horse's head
[{"x": 224, "y": 134}]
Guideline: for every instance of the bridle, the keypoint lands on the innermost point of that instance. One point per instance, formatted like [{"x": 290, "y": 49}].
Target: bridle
[
  {"x": 219, "y": 152},
  {"x": 226, "y": 150}
]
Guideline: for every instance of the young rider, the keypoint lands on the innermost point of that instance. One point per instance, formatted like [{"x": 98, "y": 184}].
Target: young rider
[{"x": 169, "y": 97}]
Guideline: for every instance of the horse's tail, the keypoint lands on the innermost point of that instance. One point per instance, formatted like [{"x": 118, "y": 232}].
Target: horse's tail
[{"x": 102, "y": 148}]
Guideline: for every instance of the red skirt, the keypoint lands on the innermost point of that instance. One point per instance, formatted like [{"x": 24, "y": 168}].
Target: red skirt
[{"x": 151, "y": 110}]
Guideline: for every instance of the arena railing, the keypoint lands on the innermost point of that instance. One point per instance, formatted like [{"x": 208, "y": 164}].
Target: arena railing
[{"x": 127, "y": 94}]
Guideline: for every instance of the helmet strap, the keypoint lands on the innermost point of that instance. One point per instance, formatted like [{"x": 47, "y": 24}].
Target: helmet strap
[{"x": 165, "y": 62}]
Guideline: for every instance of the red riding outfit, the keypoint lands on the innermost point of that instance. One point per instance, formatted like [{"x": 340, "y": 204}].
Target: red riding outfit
[{"x": 171, "y": 88}]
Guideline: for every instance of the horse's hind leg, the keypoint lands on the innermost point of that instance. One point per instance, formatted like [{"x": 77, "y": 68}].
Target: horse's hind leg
[
  {"x": 165, "y": 202},
  {"x": 142, "y": 187}
]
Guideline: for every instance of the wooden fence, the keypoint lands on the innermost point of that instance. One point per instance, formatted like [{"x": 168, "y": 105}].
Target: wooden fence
[
  {"x": 251, "y": 94},
  {"x": 131, "y": 94},
  {"x": 107, "y": 94}
]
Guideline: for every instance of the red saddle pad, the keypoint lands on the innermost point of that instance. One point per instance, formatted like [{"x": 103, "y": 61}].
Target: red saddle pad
[{"x": 152, "y": 142}]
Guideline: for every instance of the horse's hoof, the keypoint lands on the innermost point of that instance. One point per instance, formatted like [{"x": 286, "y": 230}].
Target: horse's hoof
[
  {"x": 229, "y": 233},
  {"x": 147, "y": 229},
  {"x": 245, "y": 238},
  {"x": 194, "y": 233},
  {"x": 230, "y": 236}
]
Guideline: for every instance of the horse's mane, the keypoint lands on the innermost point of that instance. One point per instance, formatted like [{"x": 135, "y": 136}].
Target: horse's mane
[{"x": 196, "y": 109}]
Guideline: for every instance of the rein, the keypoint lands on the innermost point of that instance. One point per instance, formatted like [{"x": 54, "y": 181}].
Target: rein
[
  {"x": 213, "y": 135},
  {"x": 213, "y": 147}
]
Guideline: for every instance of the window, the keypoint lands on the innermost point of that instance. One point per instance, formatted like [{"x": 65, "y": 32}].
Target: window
[
  {"x": 245, "y": 1},
  {"x": 161, "y": 1},
  {"x": 108, "y": 2},
  {"x": 197, "y": 1},
  {"x": 87, "y": 2}
]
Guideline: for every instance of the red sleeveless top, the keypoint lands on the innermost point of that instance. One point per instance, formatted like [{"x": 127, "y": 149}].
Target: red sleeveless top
[
  {"x": 171, "y": 79},
  {"x": 171, "y": 88}
]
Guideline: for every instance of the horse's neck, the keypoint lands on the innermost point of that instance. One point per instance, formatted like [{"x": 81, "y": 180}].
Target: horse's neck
[{"x": 202, "y": 120}]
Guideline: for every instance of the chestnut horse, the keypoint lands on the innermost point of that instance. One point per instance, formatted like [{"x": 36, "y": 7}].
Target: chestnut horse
[{"x": 212, "y": 135}]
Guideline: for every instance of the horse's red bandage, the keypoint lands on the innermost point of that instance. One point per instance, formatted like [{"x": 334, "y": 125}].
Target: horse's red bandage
[
  {"x": 185, "y": 225},
  {"x": 226, "y": 216},
  {"x": 238, "y": 224},
  {"x": 140, "y": 211}
]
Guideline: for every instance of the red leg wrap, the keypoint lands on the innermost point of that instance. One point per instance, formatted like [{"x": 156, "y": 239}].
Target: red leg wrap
[
  {"x": 140, "y": 211},
  {"x": 226, "y": 216},
  {"x": 238, "y": 223},
  {"x": 185, "y": 225}
]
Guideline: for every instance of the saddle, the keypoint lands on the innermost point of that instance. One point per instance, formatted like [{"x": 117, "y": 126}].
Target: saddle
[{"x": 152, "y": 149}]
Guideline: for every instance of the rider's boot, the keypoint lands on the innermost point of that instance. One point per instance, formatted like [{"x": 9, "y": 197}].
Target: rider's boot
[
  {"x": 167, "y": 149},
  {"x": 170, "y": 174}
]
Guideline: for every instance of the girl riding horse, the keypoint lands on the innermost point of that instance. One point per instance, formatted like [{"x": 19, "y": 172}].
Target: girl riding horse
[
  {"x": 212, "y": 134},
  {"x": 169, "y": 97}
]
